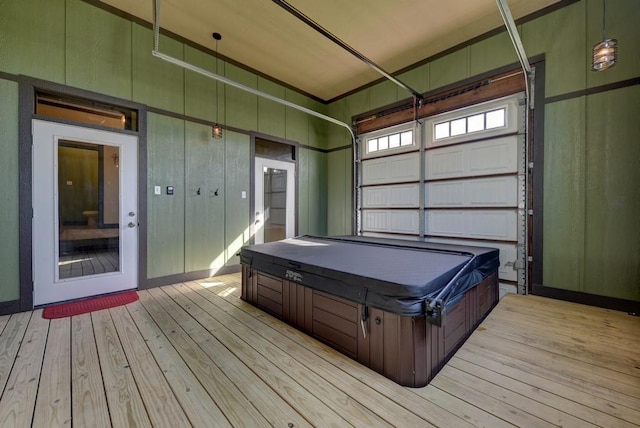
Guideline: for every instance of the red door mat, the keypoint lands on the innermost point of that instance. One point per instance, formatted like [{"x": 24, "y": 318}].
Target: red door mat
[{"x": 89, "y": 305}]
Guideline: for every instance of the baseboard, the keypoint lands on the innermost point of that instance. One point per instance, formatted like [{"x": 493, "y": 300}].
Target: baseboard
[
  {"x": 189, "y": 276},
  {"x": 9, "y": 307},
  {"x": 632, "y": 307}
]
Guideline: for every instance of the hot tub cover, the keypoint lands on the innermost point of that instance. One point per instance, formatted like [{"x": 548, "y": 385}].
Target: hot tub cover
[{"x": 409, "y": 278}]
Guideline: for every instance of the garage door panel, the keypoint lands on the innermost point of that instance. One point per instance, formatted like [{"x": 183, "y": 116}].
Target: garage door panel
[
  {"x": 497, "y": 225},
  {"x": 508, "y": 254},
  {"x": 391, "y": 169},
  {"x": 391, "y": 221},
  {"x": 497, "y": 156},
  {"x": 400, "y": 195},
  {"x": 481, "y": 192}
]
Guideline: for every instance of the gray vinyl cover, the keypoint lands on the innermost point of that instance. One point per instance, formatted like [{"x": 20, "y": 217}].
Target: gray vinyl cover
[{"x": 393, "y": 275}]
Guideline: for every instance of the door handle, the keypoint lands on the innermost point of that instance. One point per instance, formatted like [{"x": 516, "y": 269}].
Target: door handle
[
  {"x": 131, "y": 224},
  {"x": 132, "y": 214}
]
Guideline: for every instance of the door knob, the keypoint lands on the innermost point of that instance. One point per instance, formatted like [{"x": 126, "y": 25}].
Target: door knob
[
  {"x": 131, "y": 224},
  {"x": 132, "y": 214}
]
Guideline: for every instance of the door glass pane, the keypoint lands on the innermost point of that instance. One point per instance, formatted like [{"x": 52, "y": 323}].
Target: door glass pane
[
  {"x": 88, "y": 209},
  {"x": 275, "y": 204}
]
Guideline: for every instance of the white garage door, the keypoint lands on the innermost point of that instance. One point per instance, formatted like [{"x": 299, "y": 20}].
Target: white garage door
[{"x": 458, "y": 178}]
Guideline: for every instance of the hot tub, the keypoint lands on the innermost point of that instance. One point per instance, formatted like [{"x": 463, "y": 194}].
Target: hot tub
[{"x": 401, "y": 308}]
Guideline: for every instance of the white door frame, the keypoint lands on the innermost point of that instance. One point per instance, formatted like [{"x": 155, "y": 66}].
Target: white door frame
[
  {"x": 290, "y": 218},
  {"x": 47, "y": 286}
]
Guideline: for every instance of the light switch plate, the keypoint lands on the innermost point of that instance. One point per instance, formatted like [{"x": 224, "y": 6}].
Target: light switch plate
[
  {"x": 157, "y": 190},
  {"x": 244, "y": 194}
]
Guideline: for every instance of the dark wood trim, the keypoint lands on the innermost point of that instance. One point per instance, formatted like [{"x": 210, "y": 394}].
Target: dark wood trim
[
  {"x": 476, "y": 140},
  {"x": 595, "y": 90},
  {"x": 337, "y": 149},
  {"x": 26, "y": 106},
  {"x": 535, "y": 15},
  {"x": 190, "y": 276},
  {"x": 478, "y": 90},
  {"x": 180, "y": 39},
  {"x": 10, "y": 307},
  {"x": 508, "y": 281},
  {"x": 8, "y": 76},
  {"x": 506, "y": 174},
  {"x": 630, "y": 306},
  {"x": 142, "y": 197},
  {"x": 252, "y": 187}
]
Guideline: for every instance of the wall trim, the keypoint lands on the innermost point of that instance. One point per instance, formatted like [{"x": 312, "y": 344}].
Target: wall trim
[
  {"x": 200, "y": 121},
  {"x": 595, "y": 90},
  {"x": 630, "y": 306},
  {"x": 8, "y": 76},
  {"x": 10, "y": 307},
  {"x": 189, "y": 276}
]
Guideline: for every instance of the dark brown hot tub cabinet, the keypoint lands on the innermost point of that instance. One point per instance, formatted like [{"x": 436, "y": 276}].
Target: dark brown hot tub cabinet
[{"x": 401, "y": 308}]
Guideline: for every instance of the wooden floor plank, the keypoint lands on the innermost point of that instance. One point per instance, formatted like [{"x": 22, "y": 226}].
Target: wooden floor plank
[
  {"x": 53, "y": 405},
  {"x": 198, "y": 355},
  {"x": 126, "y": 407},
  {"x": 496, "y": 387},
  {"x": 161, "y": 404},
  {"x": 282, "y": 334},
  {"x": 373, "y": 401},
  {"x": 19, "y": 398},
  {"x": 4, "y": 319},
  {"x": 570, "y": 400},
  {"x": 277, "y": 411},
  {"x": 9, "y": 344},
  {"x": 89, "y": 402},
  {"x": 598, "y": 374},
  {"x": 172, "y": 320},
  {"x": 275, "y": 374},
  {"x": 579, "y": 347},
  {"x": 198, "y": 406}
]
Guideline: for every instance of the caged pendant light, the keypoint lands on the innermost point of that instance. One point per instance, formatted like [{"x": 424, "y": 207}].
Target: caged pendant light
[
  {"x": 605, "y": 53},
  {"x": 216, "y": 129}
]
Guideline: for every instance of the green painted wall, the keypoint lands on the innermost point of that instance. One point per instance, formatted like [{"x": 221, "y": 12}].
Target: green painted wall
[
  {"x": 74, "y": 43},
  {"x": 591, "y": 231},
  {"x": 9, "y": 289}
]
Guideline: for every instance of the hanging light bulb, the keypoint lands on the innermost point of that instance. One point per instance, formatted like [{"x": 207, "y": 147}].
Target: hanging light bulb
[
  {"x": 605, "y": 53},
  {"x": 216, "y": 130}
]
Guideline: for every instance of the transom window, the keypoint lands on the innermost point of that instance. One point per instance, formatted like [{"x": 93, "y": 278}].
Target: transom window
[
  {"x": 475, "y": 123},
  {"x": 390, "y": 141}
]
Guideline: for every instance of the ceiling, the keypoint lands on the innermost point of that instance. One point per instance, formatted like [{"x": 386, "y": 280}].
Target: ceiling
[{"x": 392, "y": 33}]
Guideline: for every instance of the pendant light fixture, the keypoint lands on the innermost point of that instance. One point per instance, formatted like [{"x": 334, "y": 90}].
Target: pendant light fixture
[
  {"x": 605, "y": 53},
  {"x": 216, "y": 129}
]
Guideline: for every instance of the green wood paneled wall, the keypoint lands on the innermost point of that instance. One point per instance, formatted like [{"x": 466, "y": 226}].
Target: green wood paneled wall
[
  {"x": 237, "y": 152},
  {"x": 9, "y": 196},
  {"x": 204, "y": 199},
  {"x": 73, "y": 43},
  {"x": 591, "y": 239},
  {"x": 165, "y": 213}
]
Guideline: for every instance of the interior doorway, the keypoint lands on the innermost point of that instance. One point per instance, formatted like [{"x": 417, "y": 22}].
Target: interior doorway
[
  {"x": 85, "y": 204},
  {"x": 274, "y": 200}
]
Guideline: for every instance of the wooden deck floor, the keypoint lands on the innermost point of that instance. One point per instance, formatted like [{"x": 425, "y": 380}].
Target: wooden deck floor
[{"x": 195, "y": 354}]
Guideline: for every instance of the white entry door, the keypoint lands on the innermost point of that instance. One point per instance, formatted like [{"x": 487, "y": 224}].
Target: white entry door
[
  {"x": 274, "y": 200},
  {"x": 85, "y": 212}
]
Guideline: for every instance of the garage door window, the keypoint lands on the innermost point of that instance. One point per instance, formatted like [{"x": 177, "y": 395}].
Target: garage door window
[
  {"x": 390, "y": 141},
  {"x": 491, "y": 119}
]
